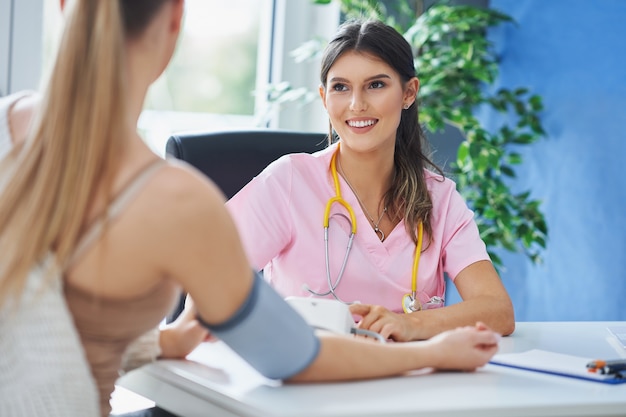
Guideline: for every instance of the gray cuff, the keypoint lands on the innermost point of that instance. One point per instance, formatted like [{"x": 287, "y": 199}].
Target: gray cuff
[{"x": 268, "y": 333}]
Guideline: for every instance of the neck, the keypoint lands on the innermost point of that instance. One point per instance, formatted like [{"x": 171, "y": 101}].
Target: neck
[
  {"x": 369, "y": 176},
  {"x": 137, "y": 84},
  {"x": 137, "y": 88},
  {"x": 144, "y": 64},
  {"x": 380, "y": 213}
]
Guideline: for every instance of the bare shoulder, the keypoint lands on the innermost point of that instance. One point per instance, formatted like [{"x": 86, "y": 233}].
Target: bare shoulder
[
  {"x": 181, "y": 189},
  {"x": 21, "y": 115},
  {"x": 188, "y": 230},
  {"x": 185, "y": 205}
]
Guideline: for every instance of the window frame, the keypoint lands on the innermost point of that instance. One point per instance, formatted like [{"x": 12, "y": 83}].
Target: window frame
[
  {"x": 284, "y": 26},
  {"x": 21, "y": 33}
]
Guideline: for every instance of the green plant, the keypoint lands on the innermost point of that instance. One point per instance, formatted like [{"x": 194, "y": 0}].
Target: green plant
[{"x": 456, "y": 66}]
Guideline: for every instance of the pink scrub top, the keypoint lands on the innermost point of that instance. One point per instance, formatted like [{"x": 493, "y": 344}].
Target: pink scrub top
[{"x": 280, "y": 217}]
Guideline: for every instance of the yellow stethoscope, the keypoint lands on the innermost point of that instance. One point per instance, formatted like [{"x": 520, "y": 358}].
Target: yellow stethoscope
[{"x": 410, "y": 301}]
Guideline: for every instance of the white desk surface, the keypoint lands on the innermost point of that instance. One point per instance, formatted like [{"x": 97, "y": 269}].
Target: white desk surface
[{"x": 215, "y": 382}]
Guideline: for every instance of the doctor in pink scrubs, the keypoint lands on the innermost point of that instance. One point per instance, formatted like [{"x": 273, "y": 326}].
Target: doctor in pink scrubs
[{"x": 395, "y": 224}]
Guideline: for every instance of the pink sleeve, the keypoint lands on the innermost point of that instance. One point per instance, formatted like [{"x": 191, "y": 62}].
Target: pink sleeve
[
  {"x": 462, "y": 245},
  {"x": 261, "y": 213}
]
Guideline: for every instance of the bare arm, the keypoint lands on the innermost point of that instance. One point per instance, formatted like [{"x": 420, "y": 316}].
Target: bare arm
[
  {"x": 484, "y": 299},
  {"x": 203, "y": 251},
  {"x": 463, "y": 349}
]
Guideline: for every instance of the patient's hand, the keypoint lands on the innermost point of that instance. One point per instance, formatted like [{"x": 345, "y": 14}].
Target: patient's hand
[
  {"x": 184, "y": 334},
  {"x": 464, "y": 348}
]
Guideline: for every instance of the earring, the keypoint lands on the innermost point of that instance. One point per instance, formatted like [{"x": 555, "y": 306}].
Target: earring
[{"x": 406, "y": 106}]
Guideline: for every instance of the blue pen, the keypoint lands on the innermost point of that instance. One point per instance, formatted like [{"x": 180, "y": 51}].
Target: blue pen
[{"x": 611, "y": 367}]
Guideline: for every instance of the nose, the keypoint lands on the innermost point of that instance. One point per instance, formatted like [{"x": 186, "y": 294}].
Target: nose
[{"x": 357, "y": 102}]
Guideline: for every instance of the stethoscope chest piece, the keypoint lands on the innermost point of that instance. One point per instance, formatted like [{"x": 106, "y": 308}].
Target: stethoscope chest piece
[{"x": 410, "y": 303}]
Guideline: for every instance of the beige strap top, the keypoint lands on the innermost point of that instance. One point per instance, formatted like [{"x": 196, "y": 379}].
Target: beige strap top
[
  {"x": 115, "y": 208},
  {"x": 107, "y": 326}
]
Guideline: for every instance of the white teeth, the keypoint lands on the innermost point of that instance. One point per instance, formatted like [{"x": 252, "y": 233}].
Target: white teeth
[{"x": 360, "y": 123}]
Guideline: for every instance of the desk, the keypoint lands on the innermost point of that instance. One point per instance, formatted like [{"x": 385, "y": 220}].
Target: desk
[{"x": 215, "y": 382}]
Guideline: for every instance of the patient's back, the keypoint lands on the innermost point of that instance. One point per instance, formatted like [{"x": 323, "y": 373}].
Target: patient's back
[{"x": 126, "y": 275}]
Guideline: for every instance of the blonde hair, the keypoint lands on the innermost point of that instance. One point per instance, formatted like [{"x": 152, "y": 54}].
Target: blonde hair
[{"x": 72, "y": 148}]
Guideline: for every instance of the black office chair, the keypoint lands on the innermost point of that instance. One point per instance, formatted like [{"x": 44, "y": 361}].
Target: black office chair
[{"x": 232, "y": 158}]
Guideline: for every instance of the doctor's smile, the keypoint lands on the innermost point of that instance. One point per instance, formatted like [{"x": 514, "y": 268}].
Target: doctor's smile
[{"x": 362, "y": 123}]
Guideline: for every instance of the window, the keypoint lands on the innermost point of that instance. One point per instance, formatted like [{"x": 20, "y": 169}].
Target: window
[
  {"x": 210, "y": 81},
  {"x": 20, "y": 44},
  {"x": 227, "y": 54}
]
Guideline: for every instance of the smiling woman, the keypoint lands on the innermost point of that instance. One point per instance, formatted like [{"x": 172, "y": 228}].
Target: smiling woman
[
  {"x": 132, "y": 231},
  {"x": 413, "y": 226}
]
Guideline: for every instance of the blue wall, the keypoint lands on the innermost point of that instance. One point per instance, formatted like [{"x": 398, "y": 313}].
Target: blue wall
[{"x": 572, "y": 53}]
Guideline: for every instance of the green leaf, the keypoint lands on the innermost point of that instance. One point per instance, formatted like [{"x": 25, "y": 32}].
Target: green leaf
[
  {"x": 463, "y": 152},
  {"x": 514, "y": 158},
  {"x": 536, "y": 104}
]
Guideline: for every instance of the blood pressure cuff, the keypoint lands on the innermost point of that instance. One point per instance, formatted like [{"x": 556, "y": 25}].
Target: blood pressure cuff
[{"x": 268, "y": 333}]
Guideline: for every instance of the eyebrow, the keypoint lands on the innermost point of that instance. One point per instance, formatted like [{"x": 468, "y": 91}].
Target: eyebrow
[{"x": 374, "y": 77}]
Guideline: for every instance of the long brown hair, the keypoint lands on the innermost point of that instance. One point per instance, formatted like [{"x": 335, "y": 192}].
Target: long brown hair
[
  {"x": 75, "y": 140},
  {"x": 408, "y": 198}
]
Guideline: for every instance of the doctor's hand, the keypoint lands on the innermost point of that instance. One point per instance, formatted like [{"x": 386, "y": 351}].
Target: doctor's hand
[
  {"x": 464, "y": 348},
  {"x": 388, "y": 324}
]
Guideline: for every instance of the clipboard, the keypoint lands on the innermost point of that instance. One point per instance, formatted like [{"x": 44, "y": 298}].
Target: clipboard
[
  {"x": 537, "y": 360},
  {"x": 619, "y": 332}
]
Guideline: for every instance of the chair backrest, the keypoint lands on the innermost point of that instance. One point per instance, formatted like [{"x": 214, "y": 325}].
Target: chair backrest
[{"x": 232, "y": 158}]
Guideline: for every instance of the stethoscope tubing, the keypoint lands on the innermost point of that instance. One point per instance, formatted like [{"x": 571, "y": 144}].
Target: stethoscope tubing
[
  {"x": 416, "y": 260},
  {"x": 332, "y": 287},
  {"x": 339, "y": 200}
]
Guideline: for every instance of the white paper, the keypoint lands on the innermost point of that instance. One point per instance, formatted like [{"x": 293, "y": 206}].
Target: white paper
[{"x": 619, "y": 332}]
